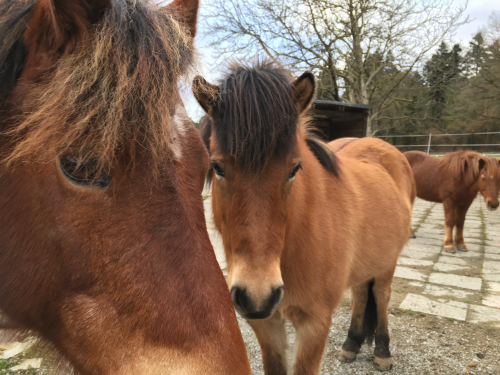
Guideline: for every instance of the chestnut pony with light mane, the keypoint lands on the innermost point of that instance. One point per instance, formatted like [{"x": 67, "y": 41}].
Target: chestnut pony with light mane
[
  {"x": 103, "y": 245},
  {"x": 299, "y": 223},
  {"x": 455, "y": 180}
]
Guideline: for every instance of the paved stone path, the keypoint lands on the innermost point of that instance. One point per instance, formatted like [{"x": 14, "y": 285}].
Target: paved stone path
[{"x": 464, "y": 286}]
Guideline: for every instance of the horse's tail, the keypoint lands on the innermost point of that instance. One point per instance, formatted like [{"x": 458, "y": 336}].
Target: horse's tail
[{"x": 370, "y": 320}]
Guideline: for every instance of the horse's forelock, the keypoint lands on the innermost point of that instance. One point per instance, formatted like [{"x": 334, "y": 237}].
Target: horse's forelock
[
  {"x": 462, "y": 164},
  {"x": 115, "y": 93},
  {"x": 13, "y": 24},
  {"x": 256, "y": 116}
]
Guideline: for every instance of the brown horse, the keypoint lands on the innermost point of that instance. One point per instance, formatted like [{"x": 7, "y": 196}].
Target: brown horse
[
  {"x": 299, "y": 223},
  {"x": 103, "y": 245},
  {"x": 455, "y": 180}
]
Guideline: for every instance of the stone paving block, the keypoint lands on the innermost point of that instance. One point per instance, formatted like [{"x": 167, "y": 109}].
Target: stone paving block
[
  {"x": 492, "y": 299},
  {"x": 428, "y": 241},
  {"x": 453, "y": 303},
  {"x": 446, "y": 267},
  {"x": 443, "y": 291},
  {"x": 419, "y": 254},
  {"x": 484, "y": 314},
  {"x": 426, "y": 229},
  {"x": 434, "y": 236},
  {"x": 454, "y": 260},
  {"x": 491, "y": 264},
  {"x": 414, "y": 262},
  {"x": 492, "y": 256},
  {"x": 418, "y": 284},
  {"x": 492, "y": 249},
  {"x": 491, "y": 277},
  {"x": 491, "y": 271},
  {"x": 465, "y": 282},
  {"x": 408, "y": 273},
  {"x": 412, "y": 245},
  {"x": 423, "y": 304},
  {"x": 493, "y": 286},
  {"x": 464, "y": 254}
]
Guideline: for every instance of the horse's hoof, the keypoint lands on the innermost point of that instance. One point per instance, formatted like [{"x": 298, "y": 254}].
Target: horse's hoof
[
  {"x": 462, "y": 248},
  {"x": 347, "y": 357},
  {"x": 450, "y": 250},
  {"x": 382, "y": 364}
]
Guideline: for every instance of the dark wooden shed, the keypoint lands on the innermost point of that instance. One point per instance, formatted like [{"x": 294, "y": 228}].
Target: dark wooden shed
[{"x": 337, "y": 119}]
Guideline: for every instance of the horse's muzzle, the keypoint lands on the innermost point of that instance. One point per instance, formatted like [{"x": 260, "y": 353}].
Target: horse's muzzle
[
  {"x": 491, "y": 206},
  {"x": 247, "y": 308}
]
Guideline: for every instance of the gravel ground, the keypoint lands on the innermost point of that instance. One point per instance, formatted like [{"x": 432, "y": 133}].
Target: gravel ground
[{"x": 419, "y": 345}]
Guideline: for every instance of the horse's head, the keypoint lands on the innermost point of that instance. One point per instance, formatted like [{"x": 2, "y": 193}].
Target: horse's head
[
  {"x": 104, "y": 249},
  {"x": 489, "y": 181},
  {"x": 253, "y": 133}
]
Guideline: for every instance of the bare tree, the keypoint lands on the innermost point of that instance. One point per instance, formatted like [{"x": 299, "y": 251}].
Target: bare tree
[{"x": 345, "y": 42}]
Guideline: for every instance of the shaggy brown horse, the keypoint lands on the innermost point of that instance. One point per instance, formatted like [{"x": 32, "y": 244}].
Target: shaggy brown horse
[
  {"x": 455, "y": 180},
  {"x": 299, "y": 223},
  {"x": 103, "y": 245}
]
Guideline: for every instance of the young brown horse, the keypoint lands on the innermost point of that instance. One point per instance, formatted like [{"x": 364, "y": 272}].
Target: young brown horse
[
  {"x": 103, "y": 244},
  {"x": 300, "y": 224},
  {"x": 455, "y": 181}
]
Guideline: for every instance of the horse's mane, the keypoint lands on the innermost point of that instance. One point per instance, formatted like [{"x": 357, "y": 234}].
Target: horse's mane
[
  {"x": 256, "y": 116},
  {"x": 112, "y": 94},
  {"x": 463, "y": 164}
]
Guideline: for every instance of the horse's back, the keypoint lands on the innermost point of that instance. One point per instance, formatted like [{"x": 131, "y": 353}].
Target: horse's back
[
  {"x": 426, "y": 173},
  {"x": 377, "y": 152}
]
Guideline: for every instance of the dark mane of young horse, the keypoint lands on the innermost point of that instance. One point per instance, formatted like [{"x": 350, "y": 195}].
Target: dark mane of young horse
[
  {"x": 462, "y": 164},
  {"x": 13, "y": 23},
  {"x": 112, "y": 95},
  {"x": 256, "y": 118}
]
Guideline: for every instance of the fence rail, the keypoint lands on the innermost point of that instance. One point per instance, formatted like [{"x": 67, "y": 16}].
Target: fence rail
[{"x": 483, "y": 142}]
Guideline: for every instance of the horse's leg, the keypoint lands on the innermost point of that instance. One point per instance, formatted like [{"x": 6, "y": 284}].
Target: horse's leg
[
  {"x": 382, "y": 294},
  {"x": 271, "y": 335},
  {"x": 356, "y": 333},
  {"x": 450, "y": 214},
  {"x": 312, "y": 332},
  {"x": 459, "y": 231}
]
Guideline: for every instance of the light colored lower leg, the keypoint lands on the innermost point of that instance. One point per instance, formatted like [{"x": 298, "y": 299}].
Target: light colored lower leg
[
  {"x": 271, "y": 334},
  {"x": 311, "y": 335}
]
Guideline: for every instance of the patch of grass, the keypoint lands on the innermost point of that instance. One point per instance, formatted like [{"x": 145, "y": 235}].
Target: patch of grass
[
  {"x": 346, "y": 303},
  {"x": 410, "y": 312},
  {"x": 422, "y": 314},
  {"x": 451, "y": 320}
]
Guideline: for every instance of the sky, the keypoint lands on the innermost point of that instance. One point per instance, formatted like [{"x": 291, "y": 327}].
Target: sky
[{"x": 477, "y": 10}]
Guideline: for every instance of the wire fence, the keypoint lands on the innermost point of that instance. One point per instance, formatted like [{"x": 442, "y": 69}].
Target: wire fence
[{"x": 487, "y": 143}]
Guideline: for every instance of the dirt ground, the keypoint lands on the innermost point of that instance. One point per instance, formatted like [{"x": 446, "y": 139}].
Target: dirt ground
[{"x": 420, "y": 344}]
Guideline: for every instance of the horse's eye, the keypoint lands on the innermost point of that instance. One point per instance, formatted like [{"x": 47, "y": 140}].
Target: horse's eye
[
  {"x": 83, "y": 173},
  {"x": 219, "y": 172},
  {"x": 294, "y": 172}
]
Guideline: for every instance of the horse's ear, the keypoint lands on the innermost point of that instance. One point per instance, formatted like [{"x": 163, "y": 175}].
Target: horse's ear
[
  {"x": 186, "y": 12},
  {"x": 55, "y": 23},
  {"x": 482, "y": 163},
  {"x": 206, "y": 94},
  {"x": 304, "y": 89}
]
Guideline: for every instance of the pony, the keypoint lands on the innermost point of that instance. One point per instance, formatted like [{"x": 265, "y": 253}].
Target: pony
[
  {"x": 455, "y": 180},
  {"x": 299, "y": 223},
  {"x": 104, "y": 248}
]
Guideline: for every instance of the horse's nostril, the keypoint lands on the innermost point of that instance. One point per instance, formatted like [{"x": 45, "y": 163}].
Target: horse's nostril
[
  {"x": 240, "y": 298},
  {"x": 276, "y": 297}
]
